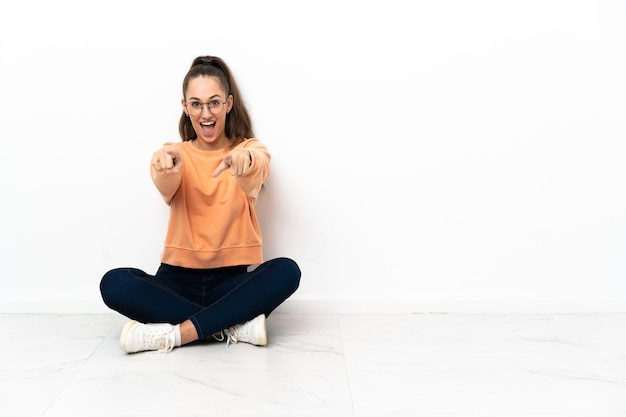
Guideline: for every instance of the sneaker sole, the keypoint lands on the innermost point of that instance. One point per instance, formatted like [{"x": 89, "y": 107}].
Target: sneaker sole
[
  {"x": 124, "y": 335},
  {"x": 263, "y": 332}
]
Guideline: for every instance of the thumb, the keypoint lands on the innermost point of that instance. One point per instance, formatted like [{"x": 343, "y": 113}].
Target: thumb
[{"x": 223, "y": 166}]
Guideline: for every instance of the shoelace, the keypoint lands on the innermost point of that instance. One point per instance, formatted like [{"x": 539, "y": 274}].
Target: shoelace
[
  {"x": 232, "y": 335},
  {"x": 155, "y": 336},
  {"x": 219, "y": 336},
  {"x": 169, "y": 344}
]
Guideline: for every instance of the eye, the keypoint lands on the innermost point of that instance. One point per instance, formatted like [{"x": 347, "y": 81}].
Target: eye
[
  {"x": 196, "y": 105},
  {"x": 214, "y": 103}
]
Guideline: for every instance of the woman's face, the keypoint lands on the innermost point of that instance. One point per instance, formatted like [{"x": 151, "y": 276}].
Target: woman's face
[{"x": 207, "y": 105}]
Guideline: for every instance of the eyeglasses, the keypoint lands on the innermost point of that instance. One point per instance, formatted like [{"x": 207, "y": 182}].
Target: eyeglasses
[{"x": 194, "y": 108}]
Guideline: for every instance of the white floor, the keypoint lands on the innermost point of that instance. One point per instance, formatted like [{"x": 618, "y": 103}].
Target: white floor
[{"x": 324, "y": 365}]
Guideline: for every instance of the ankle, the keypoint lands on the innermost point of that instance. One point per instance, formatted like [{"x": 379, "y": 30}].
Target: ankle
[{"x": 188, "y": 332}]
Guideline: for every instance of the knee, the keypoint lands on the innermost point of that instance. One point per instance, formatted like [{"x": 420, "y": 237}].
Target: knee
[
  {"x": 290, "y": 273},
  {"x": 110, "y": 286}
]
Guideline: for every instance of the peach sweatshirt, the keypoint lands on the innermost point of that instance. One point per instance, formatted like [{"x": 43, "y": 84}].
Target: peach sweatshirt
[{"x": 212, "y": 220}]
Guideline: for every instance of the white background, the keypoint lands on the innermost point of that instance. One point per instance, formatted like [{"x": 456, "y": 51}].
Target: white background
[{"x": 428, "y": 156}]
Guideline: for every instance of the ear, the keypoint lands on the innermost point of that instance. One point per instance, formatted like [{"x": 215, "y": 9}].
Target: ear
[
  {"x": 182, "y": 103},
  {"x": 229, "y": 104}
]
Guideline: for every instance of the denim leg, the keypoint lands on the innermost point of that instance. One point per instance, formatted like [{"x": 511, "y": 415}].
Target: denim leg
[
  {"x": 242, "y": 297},
  {"x": 139, "y": 296}
]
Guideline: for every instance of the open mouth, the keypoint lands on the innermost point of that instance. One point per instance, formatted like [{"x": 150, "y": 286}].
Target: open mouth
[{"x": 208, "y": 128}]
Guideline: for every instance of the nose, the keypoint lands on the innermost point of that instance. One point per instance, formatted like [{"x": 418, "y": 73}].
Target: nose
[{"x": 205, "y": 106}]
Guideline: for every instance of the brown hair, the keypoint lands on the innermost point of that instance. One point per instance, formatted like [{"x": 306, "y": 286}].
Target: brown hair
[{"x": 238, "y": 123}]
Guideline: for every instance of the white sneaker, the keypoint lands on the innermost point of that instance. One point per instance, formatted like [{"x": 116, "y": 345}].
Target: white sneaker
[
  {"x": 137, "y": 337},
  {"x": 252, "y": 332}
]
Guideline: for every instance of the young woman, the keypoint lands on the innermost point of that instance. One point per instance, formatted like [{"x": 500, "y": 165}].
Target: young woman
[{"x": 211, "y": 180}]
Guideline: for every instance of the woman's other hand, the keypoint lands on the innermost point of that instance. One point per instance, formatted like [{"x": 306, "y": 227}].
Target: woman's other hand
[{"x": 167, "y": 160}]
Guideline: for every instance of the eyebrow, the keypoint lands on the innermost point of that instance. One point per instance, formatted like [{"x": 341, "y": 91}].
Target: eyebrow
[{"x": 213, "y": 96}]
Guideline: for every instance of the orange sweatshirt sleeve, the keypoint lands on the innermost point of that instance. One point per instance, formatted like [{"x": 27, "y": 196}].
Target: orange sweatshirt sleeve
[{"x": 260, "y": 170}]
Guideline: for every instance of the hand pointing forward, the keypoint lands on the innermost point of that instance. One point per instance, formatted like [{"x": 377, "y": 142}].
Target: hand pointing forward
[
  {"x": 167, "y": 160},
  {"x": 238, "y": 161}
]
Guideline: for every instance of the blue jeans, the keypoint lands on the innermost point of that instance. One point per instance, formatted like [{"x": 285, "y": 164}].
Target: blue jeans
[{"x": 213, "y": 299}]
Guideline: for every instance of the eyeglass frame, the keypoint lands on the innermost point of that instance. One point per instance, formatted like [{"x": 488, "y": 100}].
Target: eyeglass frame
[{"x": 208, "y": 106}]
